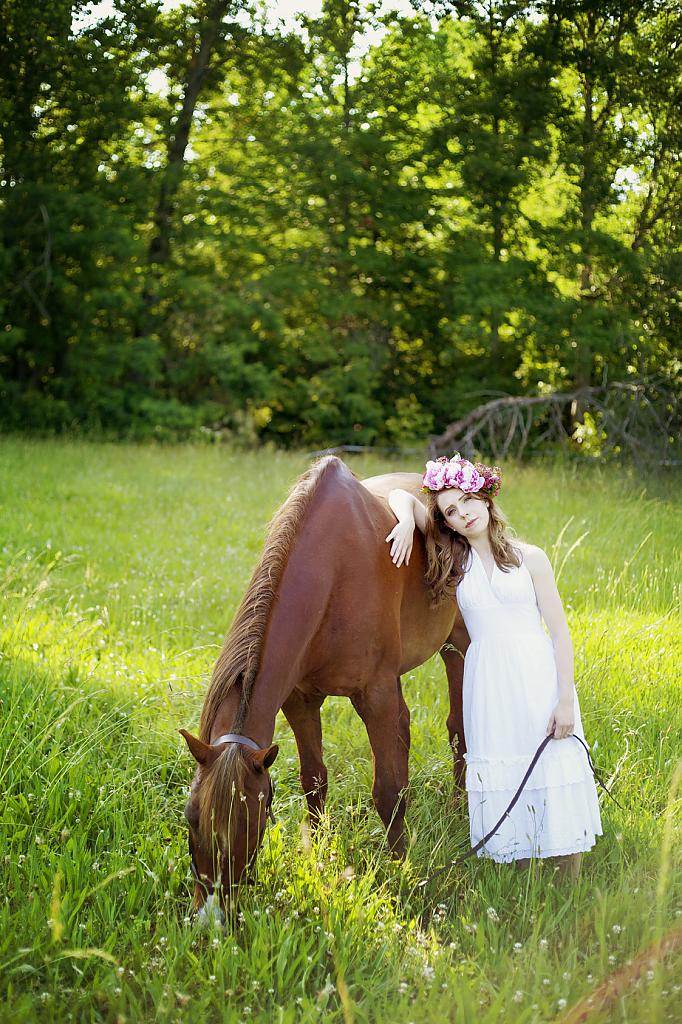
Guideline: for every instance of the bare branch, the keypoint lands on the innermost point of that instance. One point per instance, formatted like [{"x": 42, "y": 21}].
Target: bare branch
[{"x": 637, "y": 418}]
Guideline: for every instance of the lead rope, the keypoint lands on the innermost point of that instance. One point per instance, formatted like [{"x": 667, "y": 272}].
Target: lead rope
[{"x": 512, "y": 803}]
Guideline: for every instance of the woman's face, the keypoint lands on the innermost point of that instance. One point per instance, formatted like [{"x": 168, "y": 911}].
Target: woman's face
[{"x": 466, "y": 514}]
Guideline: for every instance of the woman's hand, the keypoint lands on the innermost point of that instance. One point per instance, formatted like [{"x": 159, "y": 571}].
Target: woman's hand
[
  {"x": 562, "y": 720},
  {"x": 401, "y": 537}
]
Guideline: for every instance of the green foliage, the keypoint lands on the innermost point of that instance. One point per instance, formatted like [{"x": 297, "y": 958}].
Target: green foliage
[{"x": 206, "y": 221}]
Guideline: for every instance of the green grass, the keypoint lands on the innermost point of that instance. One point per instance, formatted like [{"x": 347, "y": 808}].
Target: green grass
[{"x": 121, "y": 569}]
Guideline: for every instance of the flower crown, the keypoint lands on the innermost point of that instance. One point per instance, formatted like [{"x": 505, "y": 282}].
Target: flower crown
[{"x": 472, "y": 477}]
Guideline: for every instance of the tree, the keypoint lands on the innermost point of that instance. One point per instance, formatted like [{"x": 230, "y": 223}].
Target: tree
[
  {"x": 64, "y": 234},
  {"x": 486, "y": 151}
]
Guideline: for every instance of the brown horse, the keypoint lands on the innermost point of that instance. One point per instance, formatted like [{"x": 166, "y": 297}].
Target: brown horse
[{"x": 326, "y": 613}]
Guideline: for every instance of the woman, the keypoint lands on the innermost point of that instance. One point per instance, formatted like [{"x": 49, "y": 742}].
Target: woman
[{"x": 518, "y": 684}]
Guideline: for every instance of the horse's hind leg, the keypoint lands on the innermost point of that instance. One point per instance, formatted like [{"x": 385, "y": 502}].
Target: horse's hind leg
[
  {"x": 387, "y": 720},
  {"x": 303, "y": 715},
  {"x": 452, "y": 653}
]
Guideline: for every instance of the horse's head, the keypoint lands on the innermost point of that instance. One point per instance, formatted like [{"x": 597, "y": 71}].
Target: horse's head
[{"x": 227, "y": 810}]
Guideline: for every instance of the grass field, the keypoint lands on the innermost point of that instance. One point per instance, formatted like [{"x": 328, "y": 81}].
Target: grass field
[{"x": 121, "y": 568}]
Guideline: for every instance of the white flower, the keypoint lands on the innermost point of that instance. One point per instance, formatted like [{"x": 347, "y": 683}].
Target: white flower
[
  {"x": 561, "y": 1004},
  {"x": 616, "y": 929},
  {"x": 518, "y": 996},
  {"x": 492, "y": 914}
]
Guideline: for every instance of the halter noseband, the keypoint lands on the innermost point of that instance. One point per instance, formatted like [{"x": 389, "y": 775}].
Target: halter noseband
[
  {"x": 245, "y": 741},
  {"x": 235, "y": 737}
]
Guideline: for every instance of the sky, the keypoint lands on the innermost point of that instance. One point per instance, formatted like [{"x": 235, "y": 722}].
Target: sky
[
  {"x": 280, "y": 10},
  {"x": 286, "y": 10}
]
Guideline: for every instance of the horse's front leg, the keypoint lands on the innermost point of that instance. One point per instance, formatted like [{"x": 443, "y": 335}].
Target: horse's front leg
[
  {"x": 303, "y": 715},
  {"x": 452, "y": 653},
  {"x": 386, "y": 716}
]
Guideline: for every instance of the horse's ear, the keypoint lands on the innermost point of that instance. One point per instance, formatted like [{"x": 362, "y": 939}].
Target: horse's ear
[
  {"x": 264, "y": 758},
  {"x": 199, "y": 750}
]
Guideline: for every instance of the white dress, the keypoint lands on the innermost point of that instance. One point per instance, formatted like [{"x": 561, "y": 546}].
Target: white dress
[{"x": 510, "y": 690}]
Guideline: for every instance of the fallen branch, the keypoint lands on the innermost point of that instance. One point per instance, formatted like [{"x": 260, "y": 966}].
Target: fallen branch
[{"x": 637, "y": 419}]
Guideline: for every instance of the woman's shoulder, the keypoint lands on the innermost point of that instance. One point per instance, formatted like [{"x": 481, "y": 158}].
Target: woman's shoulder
[{"x": 533, "y": 556}]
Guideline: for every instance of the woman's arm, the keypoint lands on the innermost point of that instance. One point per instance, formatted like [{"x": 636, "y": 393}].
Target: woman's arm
[
  {"x": 409, "y": 512},
  {"x": 562, "y": 718}
]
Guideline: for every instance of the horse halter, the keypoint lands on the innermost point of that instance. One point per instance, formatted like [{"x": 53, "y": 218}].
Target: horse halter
[{"x": 246, "y": 741}]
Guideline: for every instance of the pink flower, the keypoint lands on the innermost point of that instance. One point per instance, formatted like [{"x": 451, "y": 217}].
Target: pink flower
[
  {"x": 434, "y": 477},
  {"x": 458, "y": 472}
]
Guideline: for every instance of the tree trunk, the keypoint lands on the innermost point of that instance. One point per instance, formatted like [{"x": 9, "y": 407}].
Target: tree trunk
[
  {"x": 209, "y": 34},
  {"x": 583, "y": 355},
  {"x": 496, "y": 212}
]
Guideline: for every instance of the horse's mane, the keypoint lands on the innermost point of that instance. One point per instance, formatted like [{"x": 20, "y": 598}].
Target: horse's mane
[
  {"x": 219, "y": 797},
  {"x": 241, "y": 653}
]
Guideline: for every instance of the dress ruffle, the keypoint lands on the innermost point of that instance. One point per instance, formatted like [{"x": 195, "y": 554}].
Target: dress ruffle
[
  {"x": 544, "y": 823},
  {"x": 561, "y": 762}
]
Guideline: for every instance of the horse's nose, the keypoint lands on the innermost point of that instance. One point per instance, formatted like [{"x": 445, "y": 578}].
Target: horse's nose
[{"x": 211, "y": 914}]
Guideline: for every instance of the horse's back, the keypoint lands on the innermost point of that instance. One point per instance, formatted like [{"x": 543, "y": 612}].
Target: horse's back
[
  {"x": 423, "y": 628},
  {"x": 381, "y": 486},
  {"x": 371, "y": 616}
]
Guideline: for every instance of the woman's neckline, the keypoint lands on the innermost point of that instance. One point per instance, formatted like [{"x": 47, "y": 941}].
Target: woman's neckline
[{"x": 485, "y": 571}]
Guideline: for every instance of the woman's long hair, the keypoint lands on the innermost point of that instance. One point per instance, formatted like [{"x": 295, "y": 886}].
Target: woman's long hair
[{"x": 447, "y": 552}]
